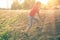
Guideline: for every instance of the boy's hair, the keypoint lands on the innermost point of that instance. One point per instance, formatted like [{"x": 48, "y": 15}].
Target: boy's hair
[{"x": 37, "y": 2}]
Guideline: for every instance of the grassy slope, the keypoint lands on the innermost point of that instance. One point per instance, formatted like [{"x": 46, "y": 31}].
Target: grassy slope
[{"x": 16, "y": 21}]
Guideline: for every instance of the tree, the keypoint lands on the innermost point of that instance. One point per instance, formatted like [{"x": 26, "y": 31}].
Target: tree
[{"x": 26, "y": 5}]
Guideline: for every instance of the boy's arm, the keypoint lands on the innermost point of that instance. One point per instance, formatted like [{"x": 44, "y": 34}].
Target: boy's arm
[{"x": 38, "y": 14}]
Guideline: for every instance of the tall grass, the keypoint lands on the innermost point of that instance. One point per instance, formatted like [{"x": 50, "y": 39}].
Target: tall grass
[{"x": 12, "y": 27}]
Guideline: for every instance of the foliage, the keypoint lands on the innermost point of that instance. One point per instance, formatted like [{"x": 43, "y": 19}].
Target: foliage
[
  {"x": 26, "y": 5},
  {"x": 5, "y": 35}
]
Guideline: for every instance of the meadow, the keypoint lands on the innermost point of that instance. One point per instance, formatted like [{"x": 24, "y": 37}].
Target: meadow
[{"x": 14, "y": 22}]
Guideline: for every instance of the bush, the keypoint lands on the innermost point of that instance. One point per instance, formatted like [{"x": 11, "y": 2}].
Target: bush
[{"x": 5, "y": 35}]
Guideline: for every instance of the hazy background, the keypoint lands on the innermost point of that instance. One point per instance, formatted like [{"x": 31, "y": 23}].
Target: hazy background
[{"x": 27, "y": 4}]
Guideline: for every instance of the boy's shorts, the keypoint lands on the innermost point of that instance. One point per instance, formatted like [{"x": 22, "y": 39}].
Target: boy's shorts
[{"x": 31, "y": 19}]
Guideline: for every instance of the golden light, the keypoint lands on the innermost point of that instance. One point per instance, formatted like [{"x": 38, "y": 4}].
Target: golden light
[
  {"x": 21, "y": 1},
  {"x": 43, "y": 1}
]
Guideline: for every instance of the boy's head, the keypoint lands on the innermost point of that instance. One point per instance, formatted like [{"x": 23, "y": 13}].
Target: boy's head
[{"x": 38, "y": 3}]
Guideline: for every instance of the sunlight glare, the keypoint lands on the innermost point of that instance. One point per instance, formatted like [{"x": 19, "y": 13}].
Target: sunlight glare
[
  {"x": 5, "y": 3},
  {"x": 43, "y": 1}
]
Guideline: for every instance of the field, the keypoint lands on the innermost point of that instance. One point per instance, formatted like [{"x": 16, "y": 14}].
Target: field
[{"x": 14, "y": 22}]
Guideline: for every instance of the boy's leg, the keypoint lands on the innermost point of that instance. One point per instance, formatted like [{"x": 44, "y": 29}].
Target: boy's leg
[
  {"x": 30, "y": 21},
  {"x": 30, "y": 24},
  {"x": 37, "y": 21}
]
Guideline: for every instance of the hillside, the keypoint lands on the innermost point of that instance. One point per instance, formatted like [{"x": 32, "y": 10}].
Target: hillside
[{"x": 14, "y": 22}]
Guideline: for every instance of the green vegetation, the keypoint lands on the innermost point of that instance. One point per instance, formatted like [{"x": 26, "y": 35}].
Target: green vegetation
[{"x": 5, "y": 35}]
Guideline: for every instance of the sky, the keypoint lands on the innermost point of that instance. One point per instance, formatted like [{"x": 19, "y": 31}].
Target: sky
[{"x": 5, "y": 3}]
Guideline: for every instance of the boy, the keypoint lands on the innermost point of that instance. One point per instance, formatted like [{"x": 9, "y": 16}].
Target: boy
[{"x": 32, "y": 13}]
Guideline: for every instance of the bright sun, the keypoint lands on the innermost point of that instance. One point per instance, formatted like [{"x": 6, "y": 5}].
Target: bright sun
[{"x": 43, "y": 1}]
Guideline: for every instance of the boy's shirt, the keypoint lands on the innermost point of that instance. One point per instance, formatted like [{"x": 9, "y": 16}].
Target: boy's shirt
[{"x": 34, "y": 10}]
